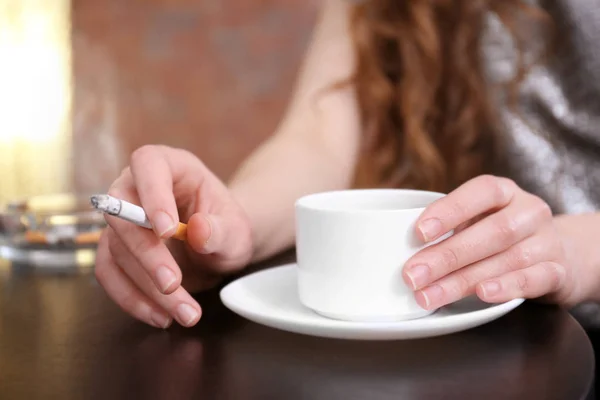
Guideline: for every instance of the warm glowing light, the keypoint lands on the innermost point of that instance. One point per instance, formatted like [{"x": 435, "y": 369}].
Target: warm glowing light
[{"x": 35, "y": 97}]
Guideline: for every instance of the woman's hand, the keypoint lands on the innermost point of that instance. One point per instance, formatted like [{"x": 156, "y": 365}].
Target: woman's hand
[
  {"x": 150, "y": 276},
  {"x": 505, "y": 246}
]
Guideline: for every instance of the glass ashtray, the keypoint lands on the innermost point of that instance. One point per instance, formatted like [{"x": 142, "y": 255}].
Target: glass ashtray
[{"x": 59, "y": 230}]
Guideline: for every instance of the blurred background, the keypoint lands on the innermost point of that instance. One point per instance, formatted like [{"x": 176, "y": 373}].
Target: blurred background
[{"x": 85, "y": 82}]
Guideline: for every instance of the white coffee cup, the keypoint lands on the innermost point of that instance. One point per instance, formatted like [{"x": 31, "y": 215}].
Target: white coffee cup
[{"x": 351, "y": 247}]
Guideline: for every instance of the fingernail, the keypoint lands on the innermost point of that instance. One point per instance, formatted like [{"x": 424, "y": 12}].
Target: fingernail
[
  {"x": 490, "y": 289},
  {"x": 165, "y": 278},
  {"x": 163, "y": 223},
  {"x": 187, "y": 314},
  {"x": 430, "y": 229},
  {"x": 160, "y": 321},
  {"x": 418, "y": 275},
  {"x": 430, "y": 297},
  {"x": 205, "y": 247}
]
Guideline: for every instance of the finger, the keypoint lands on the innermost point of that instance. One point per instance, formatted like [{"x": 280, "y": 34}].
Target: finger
[
  {"x": 154, "y": 184},
  {"x": 148, "y": 249},
  {"x": 471, "y": 222},
  {"x": 179, "y": 304},
  {"x": 200, "y": 230},
  {"x": 119, "y": 287},
  {"x": 156, "y": 169},
  {"x": 212, "y": 234},
  {"x": 475, "y": 197},
  {"x": 490, "y": 236},
  {"x": 463, "y": 282},
  {"x": 533, "y": 282}
]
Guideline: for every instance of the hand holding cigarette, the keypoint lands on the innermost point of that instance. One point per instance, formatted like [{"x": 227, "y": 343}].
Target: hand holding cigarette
[
  {"x": 171, "y": 195},
  {"x": 130, "y": 212}
]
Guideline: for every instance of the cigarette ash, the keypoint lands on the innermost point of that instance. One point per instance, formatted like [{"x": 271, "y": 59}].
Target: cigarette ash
[{"x": 106, "y": 203}]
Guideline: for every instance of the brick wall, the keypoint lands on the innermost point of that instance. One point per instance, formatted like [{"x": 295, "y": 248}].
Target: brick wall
[{"x": 211, "y": 76}]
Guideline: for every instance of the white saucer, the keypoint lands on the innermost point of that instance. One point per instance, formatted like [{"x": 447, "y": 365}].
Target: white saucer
[{"x": 270, "y": 298}]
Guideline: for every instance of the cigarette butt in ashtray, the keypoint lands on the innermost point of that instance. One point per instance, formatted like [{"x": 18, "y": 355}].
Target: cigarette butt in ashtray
[
  {"x": 130, "y": 212},
  {"x": 88, "y": 237},
  {"x": 39, "y": 237},
  {"x": 36, "y": 237}
]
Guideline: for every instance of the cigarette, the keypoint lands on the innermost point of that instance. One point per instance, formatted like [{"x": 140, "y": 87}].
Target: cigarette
[
  {"x": 130, "y": 212},
  {"x": 39, "y": 237},
  {"x": 88, "y": 237}
]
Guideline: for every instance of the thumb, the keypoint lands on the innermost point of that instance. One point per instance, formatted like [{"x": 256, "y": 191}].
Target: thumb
[
  {"x": 200, "y": 233},
  {"x": 226, "y": 236}
]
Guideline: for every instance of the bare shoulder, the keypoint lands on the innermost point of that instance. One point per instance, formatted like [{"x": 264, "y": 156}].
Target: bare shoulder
[
  {"x": 318, "y": 108},
  {"x": 330, "y": 56}
]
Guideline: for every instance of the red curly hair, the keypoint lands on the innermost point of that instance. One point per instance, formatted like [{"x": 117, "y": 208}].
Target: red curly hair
[{"x": 421, "y": 88}]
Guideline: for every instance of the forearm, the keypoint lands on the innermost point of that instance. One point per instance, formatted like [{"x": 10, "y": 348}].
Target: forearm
[
  {"x": 580, "y": 235},
  {"x": 315, "y": 146},
  {"x": 274, "y": 177}
]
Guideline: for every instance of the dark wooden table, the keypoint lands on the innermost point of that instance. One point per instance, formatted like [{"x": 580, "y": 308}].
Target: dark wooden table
[{"x": 61, "y": 338}]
